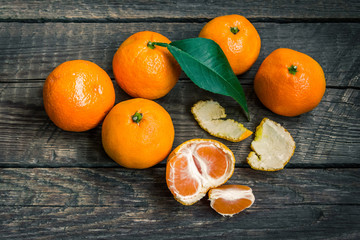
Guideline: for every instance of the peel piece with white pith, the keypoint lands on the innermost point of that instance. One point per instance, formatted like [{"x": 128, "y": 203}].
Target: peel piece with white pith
[
  {"x": 272, "y": 147},
  {"x": 211, "y": 117}
]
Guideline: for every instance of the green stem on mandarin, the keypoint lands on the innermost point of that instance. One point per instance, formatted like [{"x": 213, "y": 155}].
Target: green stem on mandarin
[
  {"x": 292, "y": 69},
  {"x": 234, "y": 30},
  {"x": 150, "y": 45},
  {"x": 137, "y": 117}
]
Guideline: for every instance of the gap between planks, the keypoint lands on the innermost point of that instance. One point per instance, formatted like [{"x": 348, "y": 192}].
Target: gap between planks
[
  {"x": 160, "y": 165},
  {"x": 112, "y": 206},
  {"x": 11, "y": 81},
  {"x": 181, "y": 20}
]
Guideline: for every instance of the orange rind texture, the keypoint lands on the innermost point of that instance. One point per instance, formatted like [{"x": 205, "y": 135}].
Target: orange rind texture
[
  {"x": 142, "y": 71},
  {"x": 77, "y": 95},
  {"x": 138, "y": 145}
]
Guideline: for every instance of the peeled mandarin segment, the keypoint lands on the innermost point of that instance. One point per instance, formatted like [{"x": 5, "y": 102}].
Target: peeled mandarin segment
[
  {"x": 226, "y": 207},
  {"x": 213, "y": 159},
  {"x": 228, "y": 200},
  {"x": 209, "y": 114},
  {"x": 272, "y": 147},
  {"x": 181, "y": 177},
  {"x": 196, "y": 166}
]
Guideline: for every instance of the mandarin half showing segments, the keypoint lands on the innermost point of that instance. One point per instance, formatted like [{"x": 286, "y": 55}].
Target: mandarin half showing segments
[{"x": 197, "y": 165}]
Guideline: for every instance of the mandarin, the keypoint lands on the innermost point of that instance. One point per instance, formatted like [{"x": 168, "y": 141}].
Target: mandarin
[
  {"x": 238, "y": 39},
  {"x": 77, "y": 95},
  {"x": 144, "y": 70},
  {"x": 197, "y": 165},
  {"x": 289, "y": 83},
  {"x": 138, "y": 133}
]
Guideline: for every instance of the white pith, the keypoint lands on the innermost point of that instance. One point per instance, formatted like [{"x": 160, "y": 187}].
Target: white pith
[
  {"x": 210, "y": 116},
  {"x": 204, "y": 179},
  {"x": 272, "y": 149},
  {"x": 230, "y": 194}
]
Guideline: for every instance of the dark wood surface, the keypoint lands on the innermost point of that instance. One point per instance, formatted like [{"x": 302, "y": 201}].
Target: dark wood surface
[{"x": 62, "y": 185}]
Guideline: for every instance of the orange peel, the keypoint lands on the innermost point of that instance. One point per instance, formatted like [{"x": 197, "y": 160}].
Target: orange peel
[
  {"x": 272, "y": 147},
  {"x": 210, "y": 116}
]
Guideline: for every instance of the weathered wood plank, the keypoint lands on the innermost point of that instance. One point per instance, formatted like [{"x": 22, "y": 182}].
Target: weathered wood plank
[
  {"x": 144, "y": 10},
  {"x": 32, "y": 51},
  {"x": 288, "y": 222},
  {"x": 302, "y": 222},
  {"x": 101, "y": 187},
  {"x": 76, "y": 203},
  {"x": 325, "y": 137}
]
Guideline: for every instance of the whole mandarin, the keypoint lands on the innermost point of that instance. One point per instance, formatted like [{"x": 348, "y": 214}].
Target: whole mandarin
[
  {"x": 138, "y": 133},
  {"x": 145, "y": 70},
  {"x": 289, "y": 82},
  {"x": 77, "y": 95},
  {"x": 238, "y": 39}
]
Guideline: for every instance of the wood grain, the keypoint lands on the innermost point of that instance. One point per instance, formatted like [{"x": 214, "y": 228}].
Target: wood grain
[
  {"x": 128, "y": 188},
  {"x": 186, "y": 10},
  {"x": 286, "y": 222},
  {"x": 106, "y": 203},
  {"x": 31, "y": 50},
  {"x": 62, "y": 185},
  {"x": 328, "y": 136}
]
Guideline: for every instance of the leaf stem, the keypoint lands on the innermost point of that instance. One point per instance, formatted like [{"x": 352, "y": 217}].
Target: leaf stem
[
  {"x": 160, "y": 44},
  {"x": 247, "y": 114}
]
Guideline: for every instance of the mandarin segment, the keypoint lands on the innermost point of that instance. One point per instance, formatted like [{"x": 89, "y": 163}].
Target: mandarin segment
[
  {"x": 181, "y": 177},
  {"x": 210, "y": 116},
  {"x": 272, "y": 147},
  {"x": 228, "y": 200},
  {"x": 207, "y": 162},
  {"x": 213, "y": 159}
]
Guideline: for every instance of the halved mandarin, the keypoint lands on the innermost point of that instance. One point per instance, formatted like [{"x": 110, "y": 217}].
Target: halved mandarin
[
  {"x": 228, "y": 200},
  {"x": 196, "y": 166}
]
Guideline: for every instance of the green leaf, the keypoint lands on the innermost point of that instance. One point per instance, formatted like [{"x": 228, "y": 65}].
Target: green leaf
[{"x": 206, "y": 65}]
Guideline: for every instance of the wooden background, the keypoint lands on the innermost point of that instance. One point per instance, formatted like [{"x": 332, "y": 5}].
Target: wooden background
[{"x": 61, "y": 185}]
